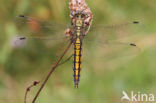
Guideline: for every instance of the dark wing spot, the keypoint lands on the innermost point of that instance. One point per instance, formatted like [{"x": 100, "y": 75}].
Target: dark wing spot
[
  {"x": 22, "y": 38},
  {"x": 132, "y": 44},
  {"x": 135, "y": 22}
]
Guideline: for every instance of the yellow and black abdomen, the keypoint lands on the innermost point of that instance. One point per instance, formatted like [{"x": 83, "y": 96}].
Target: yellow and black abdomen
[{"x": 77, "y": 61}]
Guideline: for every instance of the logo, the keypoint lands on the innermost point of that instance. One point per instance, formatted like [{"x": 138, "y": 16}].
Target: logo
[{"x": 137, "y": 97}]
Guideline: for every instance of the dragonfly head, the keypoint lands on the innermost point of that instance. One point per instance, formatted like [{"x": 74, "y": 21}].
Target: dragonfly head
[{"x": 79, "y": 19}]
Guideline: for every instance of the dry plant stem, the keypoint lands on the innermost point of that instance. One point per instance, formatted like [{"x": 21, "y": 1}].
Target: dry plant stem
[
  {"x": 28, "y": 89},
  {"x": 25, "y": 97},
  {"x": 51, "y": 71}
]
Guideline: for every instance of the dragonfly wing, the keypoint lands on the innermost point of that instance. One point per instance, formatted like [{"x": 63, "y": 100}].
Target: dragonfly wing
[
  {"x": 39, "y": 36},
  {"x": 39, "y": 27},
  {"x": 109, "y": 43},
  {"x": 123, "y": 32},
  {"x": 116, "y": 31}
]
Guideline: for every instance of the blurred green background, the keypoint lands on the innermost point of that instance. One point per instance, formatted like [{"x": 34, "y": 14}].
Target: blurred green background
[{"x": 102, "y": 79}]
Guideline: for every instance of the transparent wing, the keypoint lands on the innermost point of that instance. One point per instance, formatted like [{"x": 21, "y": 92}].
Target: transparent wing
[
  {"x": 33, "y": 29},
  {"x": 115, "y": 31},
  {"x": 39, "y": 27},
  {"x": 115, "y": 34},
  {"x": 109, "y": 43},
  {"x": 41, "y": 37}
]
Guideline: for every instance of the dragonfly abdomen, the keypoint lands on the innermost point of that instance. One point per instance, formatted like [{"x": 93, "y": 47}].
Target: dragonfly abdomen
[{"x": 77, "y": 61}]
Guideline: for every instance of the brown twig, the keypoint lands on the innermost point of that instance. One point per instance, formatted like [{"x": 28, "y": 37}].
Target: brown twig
[
  {"x": 51, "y": 71},
  {"x": 28, "y": 89}
]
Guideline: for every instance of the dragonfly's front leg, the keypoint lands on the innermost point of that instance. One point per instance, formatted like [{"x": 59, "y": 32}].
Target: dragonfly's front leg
[{"x": 66, "y": 60}]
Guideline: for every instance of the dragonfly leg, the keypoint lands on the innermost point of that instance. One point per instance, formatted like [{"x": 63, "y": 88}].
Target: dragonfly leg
[
  {"x": 69, "y": 32},
  {"x": 66, "y": 60}
]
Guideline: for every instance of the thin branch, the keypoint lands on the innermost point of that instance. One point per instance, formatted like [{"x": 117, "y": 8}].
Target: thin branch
[
  {"x": 51, "y": 71},
  {"x": 28, "y": 89}
]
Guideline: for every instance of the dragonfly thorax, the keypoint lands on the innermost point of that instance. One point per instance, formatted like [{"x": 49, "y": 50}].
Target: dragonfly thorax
[
  {"x": 79, "y": 28},
  {"x": 79, "y": 22}
]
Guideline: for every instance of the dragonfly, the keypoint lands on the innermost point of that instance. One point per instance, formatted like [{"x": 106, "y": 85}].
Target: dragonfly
[{"x": 57, "y": 33}]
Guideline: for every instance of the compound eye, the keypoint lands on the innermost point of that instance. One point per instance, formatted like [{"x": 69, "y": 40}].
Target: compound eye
[
  {"x": 83, "y": 15},
  {"x": 76, "y": 15}
]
